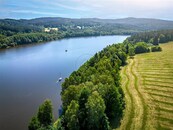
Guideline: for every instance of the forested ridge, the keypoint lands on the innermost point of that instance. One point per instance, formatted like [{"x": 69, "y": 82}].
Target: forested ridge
[{"x": 20, "y": 32}]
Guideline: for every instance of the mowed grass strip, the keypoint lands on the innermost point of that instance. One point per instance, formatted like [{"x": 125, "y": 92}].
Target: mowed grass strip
[
  {"x": 137, "y": 116},
  {"x": 137, "y": 85},
  {"x": 158, "y": 84},
  {"x": 165, "y": 102},
  {"x": 157, "y": 73},
  {"x": 159, "y": 80},
  {"x": 159, "y": 90},
  {"x": 166, "y": 109},
  {"x": 138, "y": 109},
  {"x": 159, "y": 77},
  {"x": 129, "y": 111}
]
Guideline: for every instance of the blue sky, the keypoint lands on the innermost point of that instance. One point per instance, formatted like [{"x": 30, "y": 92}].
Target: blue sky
[{"x": 28, "y": 9}]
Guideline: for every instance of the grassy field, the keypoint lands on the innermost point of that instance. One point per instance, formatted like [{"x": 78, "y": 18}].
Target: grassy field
[{"x": 147, "y": 81}]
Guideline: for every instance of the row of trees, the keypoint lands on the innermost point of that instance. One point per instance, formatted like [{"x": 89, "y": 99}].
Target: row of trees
[
  {"x": 12, "y": 39},
  {"x": 27, "y": 38},
  {"x": 147, "y": 42},
  {"x": 38, "y": 37},
  {"x": 153, "y": 37},
  {"x": 140, "y": 47}
]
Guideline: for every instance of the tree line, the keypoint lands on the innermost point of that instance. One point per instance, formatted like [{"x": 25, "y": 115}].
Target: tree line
[
  {"x": 153, "y": 37},
  {"x": 17, "y": 39},
  {"x": 140, "y": 47},
  {"x": 147, "y": 41},
  {"x": 20, "y": 32}
]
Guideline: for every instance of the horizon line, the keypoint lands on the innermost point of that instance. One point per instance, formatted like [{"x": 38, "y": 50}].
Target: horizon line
[{"x": 87, "y": 18}]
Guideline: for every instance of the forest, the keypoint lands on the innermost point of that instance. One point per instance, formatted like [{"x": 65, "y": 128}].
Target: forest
[{"x": 21, "y": 32}]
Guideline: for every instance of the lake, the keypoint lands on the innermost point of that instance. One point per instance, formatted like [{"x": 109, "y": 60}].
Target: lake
[{"x": 28, "y": 75}]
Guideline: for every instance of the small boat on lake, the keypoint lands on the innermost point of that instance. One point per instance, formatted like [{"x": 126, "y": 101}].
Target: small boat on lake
[{"x": 59, "y": 80}]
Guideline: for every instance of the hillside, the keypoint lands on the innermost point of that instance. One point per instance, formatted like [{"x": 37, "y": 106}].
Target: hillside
[
  {"x": 147, "y": 83},
  {"x": 135, "y": 23},
  {"x": 138, "y": 24}
]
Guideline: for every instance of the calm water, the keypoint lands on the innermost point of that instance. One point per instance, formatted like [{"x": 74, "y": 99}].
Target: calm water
[{"x": 28, "y": 75}]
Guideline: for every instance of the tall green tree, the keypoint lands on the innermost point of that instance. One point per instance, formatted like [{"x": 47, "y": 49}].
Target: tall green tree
[
  {"x": 82, "y": 108},
  {"x": 71, "y": 93},
  {"x": 95, "y": 110},
  {"x": 131, "y": 51},
  {"x": 155, "y": 40},
  {"x": 112, "y": 98},
  {"x": 71, "y": 116},
  {"x": 45, "y": 114},
  {"x": 34, "y": 124}
]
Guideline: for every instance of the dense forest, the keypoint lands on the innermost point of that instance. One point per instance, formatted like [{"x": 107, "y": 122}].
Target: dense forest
[{"x": 21, "y": 32}]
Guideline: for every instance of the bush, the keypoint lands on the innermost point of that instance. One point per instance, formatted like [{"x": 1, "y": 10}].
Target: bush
[
  {"x": 156, "y": 48},
  {"x": 141, "y": 47},
  {"x": 131, "y": 51}
]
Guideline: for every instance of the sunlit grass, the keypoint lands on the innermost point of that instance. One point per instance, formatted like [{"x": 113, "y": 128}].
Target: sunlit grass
[{"x": 150, "y": 82}]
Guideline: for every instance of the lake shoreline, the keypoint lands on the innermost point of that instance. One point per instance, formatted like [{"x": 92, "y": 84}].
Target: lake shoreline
[{"x": 34, "y": 44}]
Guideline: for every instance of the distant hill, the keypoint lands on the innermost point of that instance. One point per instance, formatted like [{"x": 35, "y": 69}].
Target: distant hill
[
  {"x": 138, "y": 24},
  {"x": 146, "y": 24},
  {"x": 143, "y": 24}
]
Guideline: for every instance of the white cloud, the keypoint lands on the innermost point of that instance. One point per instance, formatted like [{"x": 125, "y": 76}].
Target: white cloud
[
  {"x": 37, "y": 12},
  {"x": 135, "y": 8},
  {"x": 69, "y": 5}
]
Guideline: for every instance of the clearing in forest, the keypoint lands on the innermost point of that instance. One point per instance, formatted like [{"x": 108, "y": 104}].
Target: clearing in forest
[{"x": 147, "y": 82}]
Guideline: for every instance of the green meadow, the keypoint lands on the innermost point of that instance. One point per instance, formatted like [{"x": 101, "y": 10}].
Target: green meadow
[{"x": 147, "y": 81}]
